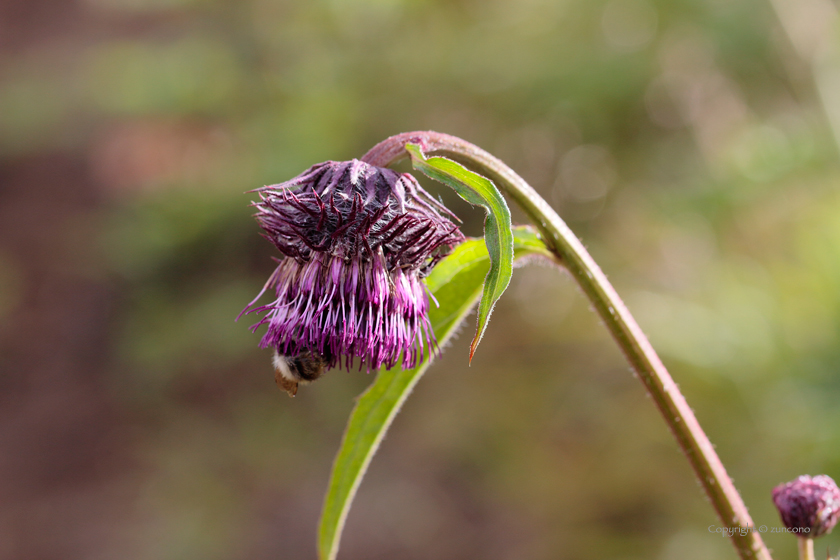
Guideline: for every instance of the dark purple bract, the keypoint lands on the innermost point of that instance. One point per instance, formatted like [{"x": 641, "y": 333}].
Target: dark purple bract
[
  {"x": 357, "y": 239},
  {"x": 810, "y": 505}
]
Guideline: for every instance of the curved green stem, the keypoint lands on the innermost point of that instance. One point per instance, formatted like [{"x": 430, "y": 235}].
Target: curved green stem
[{"x": 570, "y": 252}]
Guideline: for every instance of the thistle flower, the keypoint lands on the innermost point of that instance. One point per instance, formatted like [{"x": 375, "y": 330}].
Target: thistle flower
[
  {"x": 357, "y": 240},
  {"x": 808, "y": 505}
]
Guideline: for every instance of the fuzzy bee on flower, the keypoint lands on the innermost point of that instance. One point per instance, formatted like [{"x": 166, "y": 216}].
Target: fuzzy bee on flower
[{"x": 357, "y": 241}]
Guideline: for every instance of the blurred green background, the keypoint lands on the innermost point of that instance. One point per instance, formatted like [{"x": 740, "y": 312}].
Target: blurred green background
[{"x": 692, "y": 145}]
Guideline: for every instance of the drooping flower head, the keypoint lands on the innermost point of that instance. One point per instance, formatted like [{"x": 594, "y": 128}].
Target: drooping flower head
[
  {"x": 357, "y": 239},
  {"x": 808, "y": 505}
]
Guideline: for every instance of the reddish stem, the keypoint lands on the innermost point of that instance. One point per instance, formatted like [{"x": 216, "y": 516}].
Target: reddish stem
[{"x": 571, "y": 253}]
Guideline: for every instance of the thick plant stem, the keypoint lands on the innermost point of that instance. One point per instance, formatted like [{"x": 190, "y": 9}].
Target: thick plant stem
[{"x": 571, "y": 253}]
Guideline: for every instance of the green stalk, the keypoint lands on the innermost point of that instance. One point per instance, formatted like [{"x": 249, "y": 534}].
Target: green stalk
[
  {"x": 570, "y": 253},
  {"x": 806, "y": 548}
]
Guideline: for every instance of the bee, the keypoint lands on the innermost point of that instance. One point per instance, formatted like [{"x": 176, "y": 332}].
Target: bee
[{"x": 289, "y": 371}]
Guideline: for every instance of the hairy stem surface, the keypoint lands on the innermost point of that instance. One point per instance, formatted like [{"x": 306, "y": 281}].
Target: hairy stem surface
[{"x": 569, "y": 252}]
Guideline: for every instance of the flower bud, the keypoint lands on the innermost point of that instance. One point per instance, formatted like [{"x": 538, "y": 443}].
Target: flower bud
[{"x": 808, "y": 505}]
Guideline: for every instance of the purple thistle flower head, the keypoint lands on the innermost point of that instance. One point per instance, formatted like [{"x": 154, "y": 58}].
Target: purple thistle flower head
[
  {"x": 809, "y": 505},
  {"x": 357, "y": 240}
]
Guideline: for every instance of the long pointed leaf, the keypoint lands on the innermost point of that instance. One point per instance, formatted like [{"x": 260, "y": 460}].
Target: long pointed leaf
[
  {"x": 456, "y": 284},
  {"x": 498, "y": 235}
]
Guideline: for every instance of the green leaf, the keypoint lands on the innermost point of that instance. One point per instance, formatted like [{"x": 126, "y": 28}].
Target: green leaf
[
  {"x": 498, "y": 234},
  {"x": 456, "y": 285}
]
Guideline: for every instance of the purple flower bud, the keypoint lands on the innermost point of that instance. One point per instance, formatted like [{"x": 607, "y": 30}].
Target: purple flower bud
[
  {"x": 810, "y": 505},
  {"x": 357, "y": 239}
]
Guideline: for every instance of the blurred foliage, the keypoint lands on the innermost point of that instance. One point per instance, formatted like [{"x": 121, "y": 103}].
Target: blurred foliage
[{"x": 686, "y": 142}]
